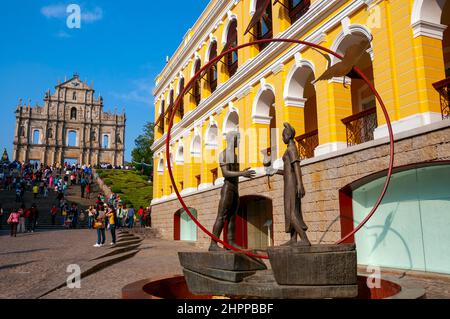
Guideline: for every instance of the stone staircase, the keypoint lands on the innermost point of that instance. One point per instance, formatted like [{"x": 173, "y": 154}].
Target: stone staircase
[{"x": 7, "y": 199}]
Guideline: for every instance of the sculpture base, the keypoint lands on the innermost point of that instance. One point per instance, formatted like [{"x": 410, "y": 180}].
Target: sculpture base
[
  {"x": 263, "y": 285},
  {"x": 222, "y": 265},
  {"x": 316, "y": 265}
]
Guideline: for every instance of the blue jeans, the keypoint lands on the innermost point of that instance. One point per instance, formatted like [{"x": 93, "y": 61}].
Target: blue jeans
[
  {"x": 90, "y": 222},
  {"x": 101, "y": 237},
  {"x": 130, "y": 221},
  {"x": 112, "y": 228}
]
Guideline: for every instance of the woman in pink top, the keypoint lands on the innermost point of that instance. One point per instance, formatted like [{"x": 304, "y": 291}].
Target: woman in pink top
[{"x": 13, "y": 220}]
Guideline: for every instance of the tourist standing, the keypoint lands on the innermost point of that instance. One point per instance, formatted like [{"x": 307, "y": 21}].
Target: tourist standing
[
  {"x": 53, "y": 213},
  {"x": 13, "y": 220},
  {"x": 130, "y": 217},
  {"x": 140, "y": 216},
  {"x": 88, "y": 191},
  {"x": 120, "y": 216},
  {"x": 99, "y": 224},
  {"x": 112, "y": 224},
  {"x": 34, "y": 215},
  {"x": 74, "y": 214},
  {"x": 83, "y": 186},
  {"x": 35, "y": 190},
  {"x": 21, "y": 225},
  {"x": 91, "y": 216}
]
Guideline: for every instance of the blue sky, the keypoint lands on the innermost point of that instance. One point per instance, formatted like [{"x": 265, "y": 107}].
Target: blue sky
[{"x": 121, "y": 46}]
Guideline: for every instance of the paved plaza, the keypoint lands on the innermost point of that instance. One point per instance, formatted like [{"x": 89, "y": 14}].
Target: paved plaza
[{"x": 31, "y": 265}]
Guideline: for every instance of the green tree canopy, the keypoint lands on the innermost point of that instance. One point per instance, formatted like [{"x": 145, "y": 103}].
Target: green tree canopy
[{"x": 142, "y": 152}]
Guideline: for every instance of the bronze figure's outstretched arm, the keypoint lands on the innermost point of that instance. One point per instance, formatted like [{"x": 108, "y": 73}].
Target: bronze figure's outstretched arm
[{"x": 230, "y": 174}]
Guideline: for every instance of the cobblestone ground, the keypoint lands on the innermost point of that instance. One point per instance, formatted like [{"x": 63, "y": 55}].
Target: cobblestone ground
[
  {"x": 157, "y": 258},
  {"x": 32, "y": 263}
]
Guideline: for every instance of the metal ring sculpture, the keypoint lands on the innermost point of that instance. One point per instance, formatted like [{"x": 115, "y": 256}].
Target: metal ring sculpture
[{"x": 309, "y": 44}]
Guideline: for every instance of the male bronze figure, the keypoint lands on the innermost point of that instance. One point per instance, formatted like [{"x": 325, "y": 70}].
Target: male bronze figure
[{"x": 229, "y": 195}]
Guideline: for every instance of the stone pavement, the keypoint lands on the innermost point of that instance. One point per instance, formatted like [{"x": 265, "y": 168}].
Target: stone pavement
[
  {"x": 157, "y": 258},
  {"x": 31, "y": 263}
]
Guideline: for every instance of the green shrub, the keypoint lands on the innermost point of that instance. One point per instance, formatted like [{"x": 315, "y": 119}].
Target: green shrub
[
  {"x": 116, "y": 189},
  {"x": 108, "y": 181}
]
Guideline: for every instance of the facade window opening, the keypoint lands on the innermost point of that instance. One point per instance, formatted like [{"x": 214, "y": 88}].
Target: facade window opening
[
  {"x": 261, "y": 22},
  {"x": 72, "y": 139},
  {"x": 36, "y": 137},
  {"x": 74, "y": 96},
  {"x": 22, "y": 131},
  {"x": 197, "y": 85},
  {"x": 50, "y": 133},
  {"x": 212, "y": 72},
  {"x": 105, "y": 141},
  {"x": 231, "y": 59},
  {"x": 297, "y": 8},
  {"x": 181, "y": 107},
  {"x": 73, "y": 113}
]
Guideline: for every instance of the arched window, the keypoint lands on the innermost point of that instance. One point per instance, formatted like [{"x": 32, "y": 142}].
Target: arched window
[
  {"x": 170, "y": 107},
  {"x": 74, "y": 96},
  {"x": 179, "y": 158},
  {"x": 36, "y": 137},
  {"x": 212, "y": 72},
  {"x": 180, "y": 90},
  {"x": 72, "y": 139},
  {"x": 261, "y": 22},
  {"x": 73, "y": 113},
  {"x": 297, "y": 8},
  {"x": 22, "y": 131},
  {"x": 197, "y": 85},
  {"x": 196, "y": 146},
  {"x": 162, "y": 110},
  {"x": 211, "y": 136},
  {"x": 161, "y": 166},
  {"x": 232, "y": 42},
  {"x": 105, "y": 141}
]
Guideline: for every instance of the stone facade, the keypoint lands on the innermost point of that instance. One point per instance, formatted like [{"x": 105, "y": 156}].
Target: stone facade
[
  {"x": 70, "y": 126},
  {"x": 323, "y": 177}
]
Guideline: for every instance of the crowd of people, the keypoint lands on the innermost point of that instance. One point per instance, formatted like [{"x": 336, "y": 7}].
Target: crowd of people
[
  {"x": 108, "y": 213},
  {"x": 111, "y": 213},
  {"x": 40, "y": 180}
]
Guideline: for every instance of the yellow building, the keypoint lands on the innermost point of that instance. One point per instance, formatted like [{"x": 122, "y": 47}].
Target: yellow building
[{"x": 342, "y": 133}]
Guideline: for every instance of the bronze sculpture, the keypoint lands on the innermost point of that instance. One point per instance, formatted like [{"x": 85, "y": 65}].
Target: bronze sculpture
[
  {"x": 293, "y": 189},
  {"x": 229, "y": 195}
]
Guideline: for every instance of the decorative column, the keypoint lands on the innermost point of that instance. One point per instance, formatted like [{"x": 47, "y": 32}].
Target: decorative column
[{"x": 335, "y": 102}]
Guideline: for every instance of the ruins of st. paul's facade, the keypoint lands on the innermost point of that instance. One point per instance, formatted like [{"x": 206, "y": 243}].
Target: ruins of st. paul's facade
[{"x": 70, "y": 127}]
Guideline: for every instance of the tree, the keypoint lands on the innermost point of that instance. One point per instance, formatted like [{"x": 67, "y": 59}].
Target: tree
[{"x": 142, "y": 152}]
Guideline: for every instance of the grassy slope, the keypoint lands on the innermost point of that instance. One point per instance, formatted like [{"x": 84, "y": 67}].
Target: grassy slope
[{"x": 130, "y": 185}]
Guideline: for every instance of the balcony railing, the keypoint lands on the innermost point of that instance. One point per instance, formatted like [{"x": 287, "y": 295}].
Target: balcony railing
[
  {"x": 361, "y": 126},
  {"x": 307, "y": 143},
  {"x": 443, "y": 87}
]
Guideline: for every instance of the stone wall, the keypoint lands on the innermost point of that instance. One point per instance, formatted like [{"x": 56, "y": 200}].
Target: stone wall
[{"x": 323, "y": 177}]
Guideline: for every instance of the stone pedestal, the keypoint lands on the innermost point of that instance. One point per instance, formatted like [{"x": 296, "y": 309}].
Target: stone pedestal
[
  {"x": 316, "y": 265},
  {"x": 222, "y": 265}
]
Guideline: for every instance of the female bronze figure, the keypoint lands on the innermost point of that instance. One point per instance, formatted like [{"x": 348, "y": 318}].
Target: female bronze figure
[{"x": 293, "y": 190}]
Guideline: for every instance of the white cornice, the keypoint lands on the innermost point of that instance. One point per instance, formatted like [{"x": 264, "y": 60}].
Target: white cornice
[
  {"x": 428, "y": 29},
  {"x": 182, "y": 57},
  {"x": 252, "y": 72}
]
